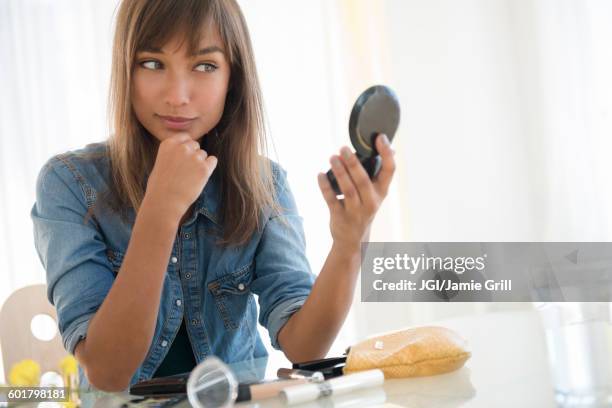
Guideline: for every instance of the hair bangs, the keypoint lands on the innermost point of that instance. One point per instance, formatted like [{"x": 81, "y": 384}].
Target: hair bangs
[{"x": 187, "y": 21}]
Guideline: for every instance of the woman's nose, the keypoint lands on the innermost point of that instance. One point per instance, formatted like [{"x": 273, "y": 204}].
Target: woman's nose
[{"x": 177, "y": 91}]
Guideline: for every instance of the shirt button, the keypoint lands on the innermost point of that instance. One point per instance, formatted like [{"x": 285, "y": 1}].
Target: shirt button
[
  {"x": 241, "y": 286},
  {"x": 178, "y": 302},
  {"x": 174, "y": 259},
  {"x": 187, "y": 276},
  {"x": 187, "y": 235},
  {"x": 164, "y": 343}
]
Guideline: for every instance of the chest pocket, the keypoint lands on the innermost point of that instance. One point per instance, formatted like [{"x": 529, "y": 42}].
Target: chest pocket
[
  {"x": 233, "y": 298},
  {"x": 116, "y": 259}
]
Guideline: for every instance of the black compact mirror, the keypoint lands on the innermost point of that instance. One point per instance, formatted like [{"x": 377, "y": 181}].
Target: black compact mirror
[{"x": 375, "y": 111}]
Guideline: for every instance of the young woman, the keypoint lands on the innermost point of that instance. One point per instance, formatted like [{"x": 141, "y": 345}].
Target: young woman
[{"x": 155, "y": 241}]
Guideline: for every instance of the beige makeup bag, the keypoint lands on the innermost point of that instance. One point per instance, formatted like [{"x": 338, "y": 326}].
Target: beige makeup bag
[{"x": 414, "y": 352}]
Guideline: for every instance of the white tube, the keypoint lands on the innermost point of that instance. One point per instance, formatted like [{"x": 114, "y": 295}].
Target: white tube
[{"x": 335, "y": 386}]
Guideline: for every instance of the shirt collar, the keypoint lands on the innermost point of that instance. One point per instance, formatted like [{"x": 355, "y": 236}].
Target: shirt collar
[{"x": 207, "y": 203}]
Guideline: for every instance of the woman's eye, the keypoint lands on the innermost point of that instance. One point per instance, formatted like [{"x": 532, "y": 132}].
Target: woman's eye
[
  {"x": 155, "y": 65},
  {"x": 150, "y": 64},
  {"x": 206, "y": 67}
]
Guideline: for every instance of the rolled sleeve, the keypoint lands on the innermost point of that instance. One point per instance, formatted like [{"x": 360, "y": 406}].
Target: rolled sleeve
[
  {"x": 279, "y": 316},
  {"x": 71, "y": 249},
  {"x": 75, "y": 332},
  {"x": 283, "y": 278}
]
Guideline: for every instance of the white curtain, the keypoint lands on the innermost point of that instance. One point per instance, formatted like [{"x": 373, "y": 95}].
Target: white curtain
[
  {"x": 506, "y": 117},
  {"x": 54, "y": 61}
]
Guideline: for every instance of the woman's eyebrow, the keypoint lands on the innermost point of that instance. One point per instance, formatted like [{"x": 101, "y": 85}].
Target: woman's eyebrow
[
  {"x": 211, "y": 49},
  {"x": 203, "y": 51}
]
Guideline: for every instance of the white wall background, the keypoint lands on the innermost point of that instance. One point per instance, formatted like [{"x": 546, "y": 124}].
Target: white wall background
[{"x": 505, "y": 132}]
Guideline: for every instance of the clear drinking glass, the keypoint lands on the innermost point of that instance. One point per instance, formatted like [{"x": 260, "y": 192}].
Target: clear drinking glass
[{"x": 579, "y": 342}]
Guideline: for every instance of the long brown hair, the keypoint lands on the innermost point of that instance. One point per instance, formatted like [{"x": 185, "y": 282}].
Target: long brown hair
[{"x": 238, "y": 140}]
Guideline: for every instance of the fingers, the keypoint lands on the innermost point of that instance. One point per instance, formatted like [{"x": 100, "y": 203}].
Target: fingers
[
  {"x": 211, "y": 163},
  {"x": 360, "y": 179},
  {"x": 328, "y": 192},
  {"x": 383, "y": 179},
  {"x": 185, "y": 139},
  {"x": 360, "y": 193},
  {"x": 207, "y": 163},
  {"x": 193, "y": 145},
  {"x": 182, "y": 141},
  {"x": 201, "y": 155},
  {"x": 351, "y": 195},
  {"x": 180, "y": 137},
  {"x": 188, "y": 148}
]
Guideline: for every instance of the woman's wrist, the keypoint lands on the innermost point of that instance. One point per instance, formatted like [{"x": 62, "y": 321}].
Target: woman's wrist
[
  {"x": 160, "y": 209},
  {"x": 346, "y": 249}
]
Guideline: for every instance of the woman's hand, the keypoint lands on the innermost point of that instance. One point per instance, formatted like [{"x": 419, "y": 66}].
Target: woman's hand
[
  {"x": 310, "y": 332},
  {"x": 351, "y": 217},
  {"x": 179, "y": 175}
]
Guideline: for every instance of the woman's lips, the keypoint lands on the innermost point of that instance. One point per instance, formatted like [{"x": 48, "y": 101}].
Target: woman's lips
[{"x": 175, "y": 122}]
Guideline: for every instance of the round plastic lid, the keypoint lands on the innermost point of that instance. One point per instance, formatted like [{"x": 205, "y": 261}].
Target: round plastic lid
[{"x": 375, "y": 111}]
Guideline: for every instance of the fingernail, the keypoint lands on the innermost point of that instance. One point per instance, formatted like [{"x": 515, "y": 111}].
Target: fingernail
[
  {"x": 385, "y": 139},
  {"x": 346, "y": 152},
  {"x": 335, "y": 162}
]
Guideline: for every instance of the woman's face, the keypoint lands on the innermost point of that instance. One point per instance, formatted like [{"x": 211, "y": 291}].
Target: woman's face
[{"x": 174, "y": 92}]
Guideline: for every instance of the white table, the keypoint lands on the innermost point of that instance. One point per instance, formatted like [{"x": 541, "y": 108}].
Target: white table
[{"x": 508, "y": 368}]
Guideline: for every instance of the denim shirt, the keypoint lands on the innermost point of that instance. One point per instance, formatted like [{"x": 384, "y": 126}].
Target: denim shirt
[{"x": 212, "y": 287}]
